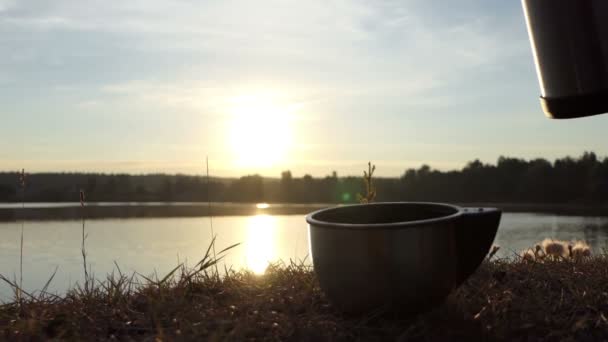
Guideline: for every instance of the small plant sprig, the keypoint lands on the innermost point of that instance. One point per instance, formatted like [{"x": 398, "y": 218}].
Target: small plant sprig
[{"x": 370, "y": 189}]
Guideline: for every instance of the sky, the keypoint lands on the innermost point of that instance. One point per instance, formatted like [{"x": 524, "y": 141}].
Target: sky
[{"x": 147, "y": 86}]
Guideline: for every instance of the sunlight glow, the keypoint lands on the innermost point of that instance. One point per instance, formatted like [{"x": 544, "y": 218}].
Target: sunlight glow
[
  {"x": 260, "y": 250},
  {"x": 262, "y": 205},
  {"x": 260, "y": 131}
]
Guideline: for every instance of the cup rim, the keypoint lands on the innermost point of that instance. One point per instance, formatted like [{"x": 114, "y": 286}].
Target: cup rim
[{"x": 311, "y": 220}]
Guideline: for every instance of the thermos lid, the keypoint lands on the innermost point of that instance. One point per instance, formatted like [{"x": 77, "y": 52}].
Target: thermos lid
[{"x": 569, "y": 107}]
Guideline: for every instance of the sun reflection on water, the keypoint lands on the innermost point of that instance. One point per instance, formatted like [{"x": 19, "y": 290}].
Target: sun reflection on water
[
  {"x": 262, "y": 205},
  {"x": 261, "y": 231}
]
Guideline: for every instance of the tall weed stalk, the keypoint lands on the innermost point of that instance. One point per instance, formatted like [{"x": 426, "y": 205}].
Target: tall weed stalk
[
  {"x": 22, "y": 185},
  {"x": 210, "y": 215},
  {"x": 84, "y": 237}
]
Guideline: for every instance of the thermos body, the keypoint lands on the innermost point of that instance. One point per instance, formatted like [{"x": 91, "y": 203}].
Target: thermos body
[{"x": 569, "y": 41}]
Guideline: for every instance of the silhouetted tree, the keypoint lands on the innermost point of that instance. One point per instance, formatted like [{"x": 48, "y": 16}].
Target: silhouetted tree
[
  {"x": 248, "y": 189},
  {"x": 286, "y": 187},
  {"x": 167, "y": 191},
  {"x": 566, "y": 180},
  {"x": 7, "y": 193}
]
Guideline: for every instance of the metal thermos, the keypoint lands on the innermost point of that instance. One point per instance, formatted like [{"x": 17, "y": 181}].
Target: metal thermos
[{"x": 569, "y": 41}]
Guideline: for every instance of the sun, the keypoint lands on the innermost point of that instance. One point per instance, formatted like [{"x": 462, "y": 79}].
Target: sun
[{"x": 260, "y": 131}]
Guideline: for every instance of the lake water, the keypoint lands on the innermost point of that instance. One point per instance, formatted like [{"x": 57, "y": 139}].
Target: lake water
[{"x": 158, "y": 244}]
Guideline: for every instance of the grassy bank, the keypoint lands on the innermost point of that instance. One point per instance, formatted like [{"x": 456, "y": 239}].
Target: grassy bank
[{"x": 504, "y": 300}]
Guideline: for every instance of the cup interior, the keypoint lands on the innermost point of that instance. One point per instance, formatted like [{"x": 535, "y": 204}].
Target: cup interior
[{"x": 384, "y": 213}]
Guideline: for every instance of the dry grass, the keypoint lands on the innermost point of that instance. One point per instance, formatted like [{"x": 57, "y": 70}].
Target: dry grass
[{"x": 516, "y": 299}]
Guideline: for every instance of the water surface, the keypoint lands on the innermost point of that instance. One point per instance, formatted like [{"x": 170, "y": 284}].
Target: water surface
[{"x": 159, "y": 244}]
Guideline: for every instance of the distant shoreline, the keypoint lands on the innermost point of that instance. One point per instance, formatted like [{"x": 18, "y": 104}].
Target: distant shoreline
[
  {"x": 72, "y": 211},
  {"x": 547, "y": 208},
  {"x": 155, "y": 210}
]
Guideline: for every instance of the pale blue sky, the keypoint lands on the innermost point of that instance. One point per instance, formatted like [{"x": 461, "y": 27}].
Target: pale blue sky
[{"x": 155, "y": 86}]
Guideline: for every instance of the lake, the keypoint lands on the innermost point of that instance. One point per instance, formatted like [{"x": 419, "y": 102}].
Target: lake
[{"x": 149, "y": 245}]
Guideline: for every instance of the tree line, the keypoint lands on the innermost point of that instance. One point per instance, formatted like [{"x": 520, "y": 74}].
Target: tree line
[{"x": 565, "y": 180}]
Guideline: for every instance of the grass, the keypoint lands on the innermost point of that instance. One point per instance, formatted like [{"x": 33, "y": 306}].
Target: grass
[{"x": 506, "y": 299}]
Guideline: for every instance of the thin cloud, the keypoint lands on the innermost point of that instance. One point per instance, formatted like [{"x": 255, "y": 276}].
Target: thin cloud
[{"x": 396, "y": 67}]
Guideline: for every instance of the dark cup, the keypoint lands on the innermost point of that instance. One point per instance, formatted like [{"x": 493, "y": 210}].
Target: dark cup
[{"x": 402, "y": 256}]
